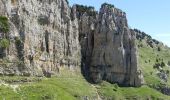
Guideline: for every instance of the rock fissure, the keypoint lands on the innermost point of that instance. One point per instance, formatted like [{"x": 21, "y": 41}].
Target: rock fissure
[{"x": 53, "y": 35}]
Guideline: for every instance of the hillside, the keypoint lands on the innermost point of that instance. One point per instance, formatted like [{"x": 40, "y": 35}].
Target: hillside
[
  {"x": 71, "y": 87},
  {"x": 154, "y": 59},
  {"x": 51, "y": 51}
]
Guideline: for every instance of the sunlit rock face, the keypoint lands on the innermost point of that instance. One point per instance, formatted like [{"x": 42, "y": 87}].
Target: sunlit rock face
[
  {"x": 46, "y": 36},
  {"x": 108, "y": 47}
]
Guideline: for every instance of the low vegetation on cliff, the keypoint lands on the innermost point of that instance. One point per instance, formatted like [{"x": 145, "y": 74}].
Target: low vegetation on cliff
[
  {"x": 4, "y": 25},
  {"x": 90, "y": 11}
]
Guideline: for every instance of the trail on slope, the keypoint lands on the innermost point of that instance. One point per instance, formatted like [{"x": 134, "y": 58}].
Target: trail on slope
[{"x": 98, "y": 96}]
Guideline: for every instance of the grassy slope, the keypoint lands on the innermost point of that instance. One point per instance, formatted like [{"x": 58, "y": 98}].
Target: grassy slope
[
  {"x": 73, "y": 87},
  {"x": 147, "y": 58},
  {"x": 76, "y": 89},
  {"x": 128, "y": 93}
]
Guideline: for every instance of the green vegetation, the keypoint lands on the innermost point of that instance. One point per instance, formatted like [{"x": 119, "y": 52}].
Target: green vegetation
[
  {"x": 71, "y": 86},
  {"x": 109, "y": 5},
  {"x": 75, "y": 88},
  {"x": 85, "y": 9},
  {"x": 18, "y": 41},
  {"x": 4, "y": 43},
  {"x": 113, "y": 92},
  {"x": 48, "y": 89},
  {"x": 153, "y": 60},
  {"x": 4, "y": 25}
]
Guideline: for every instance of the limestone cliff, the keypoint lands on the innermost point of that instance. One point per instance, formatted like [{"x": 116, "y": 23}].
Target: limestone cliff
[
  {"x": 48, "y": 35},
  {"x": 42, "y": 36},
  {"x": 109, "y": 48}
]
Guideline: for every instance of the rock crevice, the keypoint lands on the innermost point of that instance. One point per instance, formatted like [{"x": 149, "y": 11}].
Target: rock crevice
[{"x": 47, "y": 36}]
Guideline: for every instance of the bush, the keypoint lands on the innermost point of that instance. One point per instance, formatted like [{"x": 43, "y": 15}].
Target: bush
[
  {"x": 109, "y": 5},
  {"x": 159, "y": 49},
  {"x": 4, "y": 25},
  {"x": 4, "y": 43},
  {"x": 18, "y": 41},
  {"x": 156, "y": 66},
  {"x": 162, "y": 64},
  {"x": 89, "y": 10}
]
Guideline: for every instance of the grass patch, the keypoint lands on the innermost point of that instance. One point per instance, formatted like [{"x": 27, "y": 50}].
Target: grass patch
[
  {"x": 4, "y": 25},
  {"x": 74, "y": 89},
  {"x": 4, "y": 43},
  {"x": 55, "y": 88},
  {"x": 112, "y": 92}
]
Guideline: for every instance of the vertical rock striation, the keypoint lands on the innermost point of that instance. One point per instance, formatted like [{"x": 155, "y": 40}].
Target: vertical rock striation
[
  {"x": 47, "y": 35},
  {"x": 108, "y": 47},
  {"x": 43, "y": 37}
]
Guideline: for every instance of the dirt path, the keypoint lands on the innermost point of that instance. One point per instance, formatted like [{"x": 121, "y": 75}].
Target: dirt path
[
  {"x": 98, "y": 96},
  {"x": 14, "y": 87}
]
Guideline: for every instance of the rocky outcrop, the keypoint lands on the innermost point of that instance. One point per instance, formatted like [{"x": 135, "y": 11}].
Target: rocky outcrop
[
  {"x": 108, "y": 47},
  {"x": 114, "y": 56},
  {"x": 42, "y": 36},
  {"x": 46, "y": 36}
]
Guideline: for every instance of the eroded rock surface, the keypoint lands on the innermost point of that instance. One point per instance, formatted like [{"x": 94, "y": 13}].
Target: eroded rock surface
[
  {"x": 48, "y": 35},
  {"x": 108, "y": 47},
  {"x": 42, "y": 36}
]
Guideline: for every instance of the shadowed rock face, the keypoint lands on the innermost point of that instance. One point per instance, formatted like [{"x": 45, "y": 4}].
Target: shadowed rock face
[
  {"x": 46, "y": 36},
  {"x": 109, "y": 48}
]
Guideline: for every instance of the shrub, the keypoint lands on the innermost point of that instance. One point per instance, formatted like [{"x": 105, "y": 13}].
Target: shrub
[
  {"x": 168, "y": 63},
  {"x": 89, "y": 10},
  {"x": 162, "y": 64},
  {"x": 109, "y": 5},
  {"x": 167, "y": 71},
  {"x": 4, "y": 43},
  {"x": 159, "y": 49},
  {"x": 18, "y": 41},
  {"x": 4, "y": 25},
  {"x": 156, "y": 66}
]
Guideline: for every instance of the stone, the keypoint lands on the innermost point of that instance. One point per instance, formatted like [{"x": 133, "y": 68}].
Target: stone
[
  {"x": 42, "y": 33},
  {"x": 109, "y": 51},
  {"x": 45, "y": 36}
]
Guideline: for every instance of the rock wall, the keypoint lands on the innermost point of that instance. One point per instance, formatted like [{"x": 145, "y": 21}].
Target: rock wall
[
  {"x": 108, "y": 47},
  {"x": 48, "y": 35},
  {"x": 43, "y": 37}
]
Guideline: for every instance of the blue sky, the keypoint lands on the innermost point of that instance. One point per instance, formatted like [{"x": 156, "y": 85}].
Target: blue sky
[{"x": 150, "y": 16}]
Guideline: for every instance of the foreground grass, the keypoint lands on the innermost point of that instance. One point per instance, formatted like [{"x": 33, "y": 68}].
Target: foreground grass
[
  {"x": 66, "y": 86},
  {"x": 59, "y": 88},
  {"x": 50, "y": 89},
  {"x": 113, "y": 92}
]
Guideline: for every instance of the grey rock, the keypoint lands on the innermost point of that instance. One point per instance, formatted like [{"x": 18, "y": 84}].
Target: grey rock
[
  {"x": 109, "y": 50},
  {"x": 45, "y": 36}
]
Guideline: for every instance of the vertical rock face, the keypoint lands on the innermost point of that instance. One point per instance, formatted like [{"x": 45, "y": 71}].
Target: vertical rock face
[
  {"x": 109, "y": 48},
  {"x": 47, "y": 35},
  {"x": 42, "y": 36}
]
